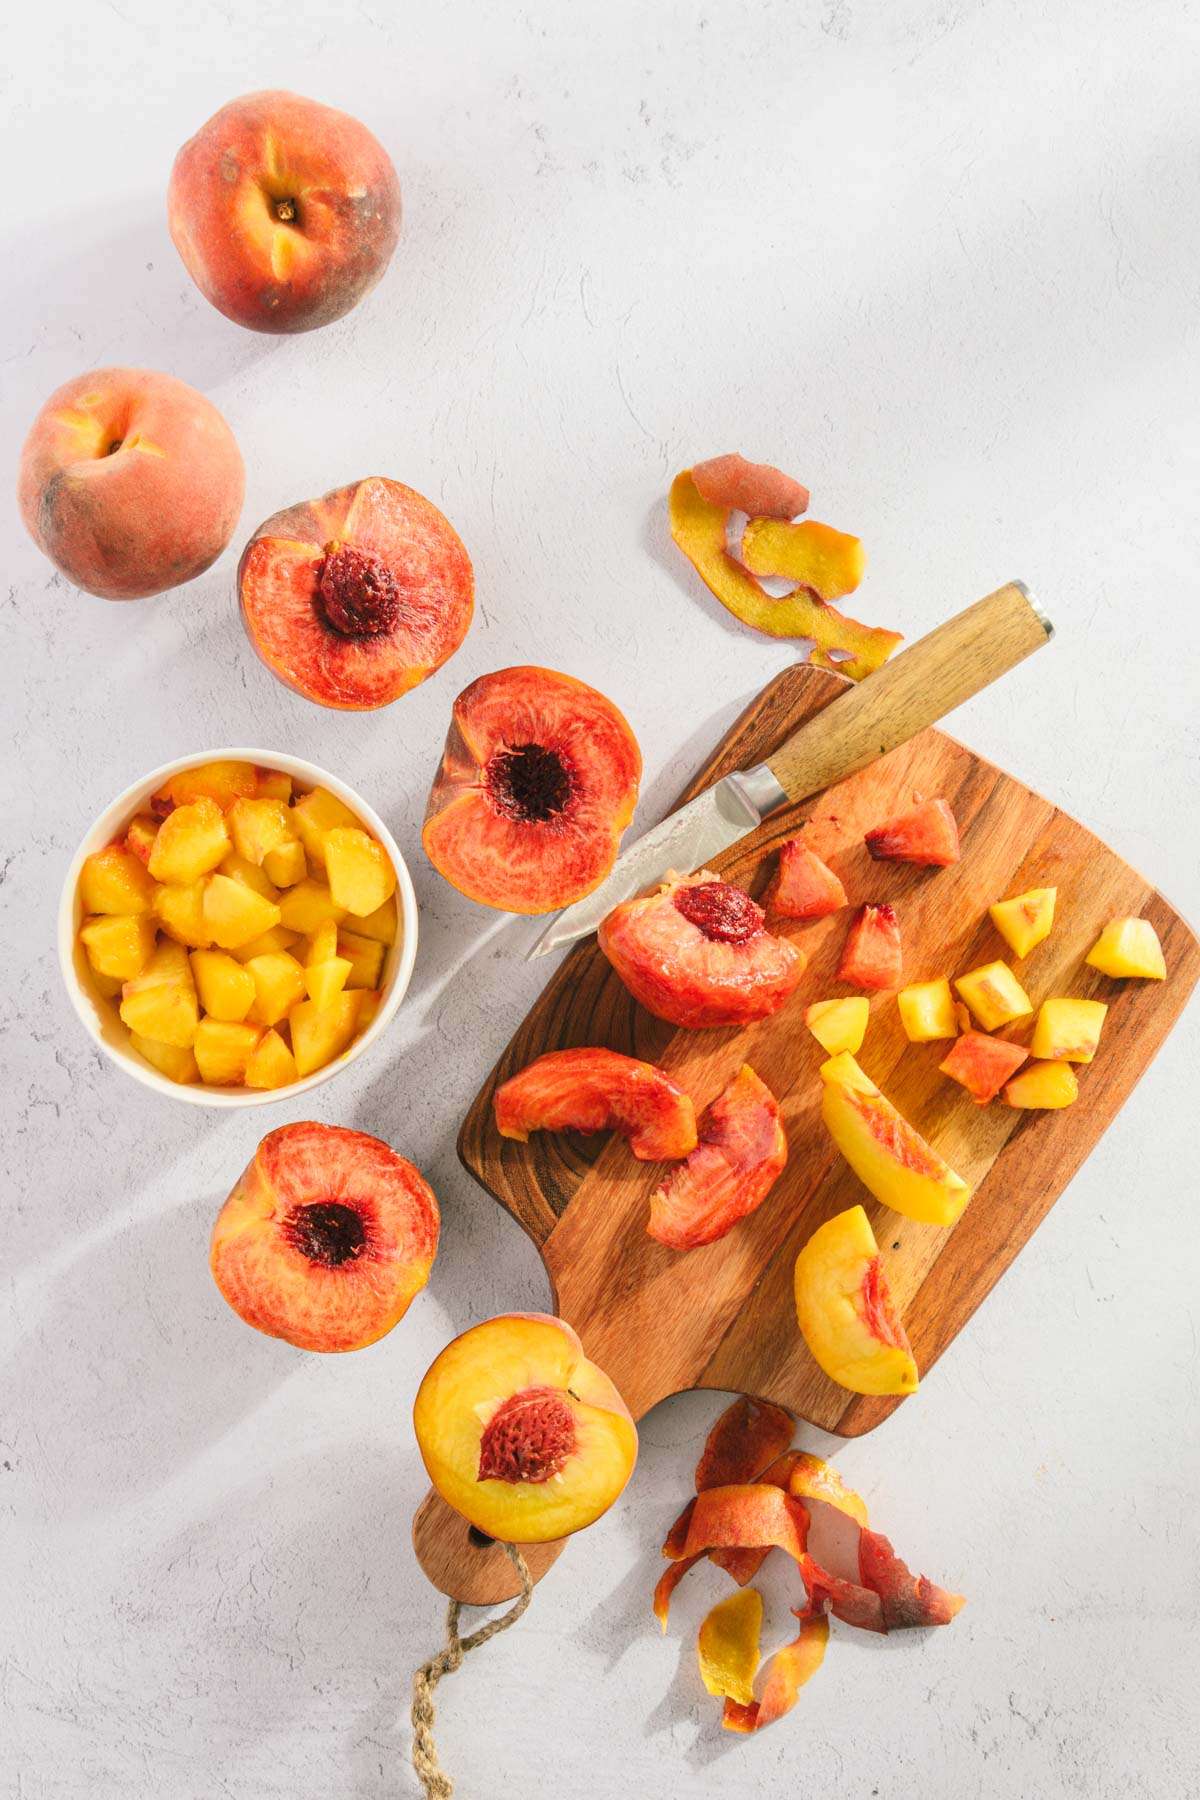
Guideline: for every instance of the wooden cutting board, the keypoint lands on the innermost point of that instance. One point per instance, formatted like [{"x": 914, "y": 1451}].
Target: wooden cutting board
[{"x": 659, "y": 1321}]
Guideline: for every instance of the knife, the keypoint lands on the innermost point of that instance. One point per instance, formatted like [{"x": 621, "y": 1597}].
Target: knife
[{"x": 913, "y": 690}]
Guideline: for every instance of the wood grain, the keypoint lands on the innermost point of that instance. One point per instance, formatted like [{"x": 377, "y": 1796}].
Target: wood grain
[{"x": 722, "y": 1317}]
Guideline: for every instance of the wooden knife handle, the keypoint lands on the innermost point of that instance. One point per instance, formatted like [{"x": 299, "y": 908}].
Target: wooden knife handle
[{"x": 915, "y": 689}]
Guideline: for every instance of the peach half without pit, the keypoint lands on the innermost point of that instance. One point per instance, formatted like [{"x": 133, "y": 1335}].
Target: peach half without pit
[
  {"x": 697, "y": 953},
  {"x": 599, "y": 1090},
  {"x": 520, "y": 1433},
  {"x": 285, "y": 212},
  {"x": 326, "y": 1238},
  {"x": 130, "y": 482},
  {"x": 538, "y": 779},
  {"x": 355, "y": 598}
]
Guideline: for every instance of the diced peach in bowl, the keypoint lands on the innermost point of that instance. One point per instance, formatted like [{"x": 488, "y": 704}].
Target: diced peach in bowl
[{"x": 235, "y": 929}]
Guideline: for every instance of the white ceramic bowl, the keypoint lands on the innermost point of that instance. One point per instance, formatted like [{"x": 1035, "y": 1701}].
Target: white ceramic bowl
[{"x": 100, "y": 1017}]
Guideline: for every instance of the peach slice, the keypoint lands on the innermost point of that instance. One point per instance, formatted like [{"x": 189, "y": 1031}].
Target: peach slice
[
  {"x": 326, "y": 1238},
  {"x": 285, "y": 212},
  {"x": 233, "y": 912},
  {"x": 180, "y": 912},
  {"x": 926, "y": 835},
  {"x": 1068, "y": 1030},
  {"x": 1044, "y": 1086},
  {"x": 741, "y": 1152},
  {"x": 286, "y": 864},
  {"x": 728, "y": 1645},
  {"x": 994, "y": 995},
  {"x": 787, "y": 1672},
  {"x": 520, "y": 1433},
  {"x": 886, "y": 1153},
  {"x": 279, "y": 985},
  {"x": 353, "y": 599},
  {"x": 306, "y": 906},
  {"x": 365, "y": 956},
  {"x": 696, "y": 953},
  {"x": 160, "y": 1001},
  {"x": 313, "y": 815},
  {"x": 139, "y": 839},
  {"x": 598, "y": 1090},
  {"x": 1025, "y": 920},
  {"x": 927, "y": 1011},
  {"x": 845, "y": 1312},
  {"x": 1128, "y": 948},
  {"x": 130, "y": 482},
  {"x": 805, "y": 887},
  {"x": 258, "y": 826},
  {"x": 872, "y": 957},
  {"x": 982, "y": 1064},
  {"x": 114, "y": 881},
  {"x": 319, "y": 1033},
  {"x": 539, "y": 778},
  {"x": 839, "y": 1024}
]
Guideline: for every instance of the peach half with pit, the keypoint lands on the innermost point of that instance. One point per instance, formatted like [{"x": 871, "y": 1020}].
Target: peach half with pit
[
  {"x": 599, "y": 1090},
  {"x": 538, "y": 779},
  {"x": 696, "y": 952},
  {"x": 326, "y": 1237},
  {"x": 520, "y": 1433},
  {"x": 130, "y": 482},
  {"x": 889, "y": 1156},
  {"x": 285, "y": 212},
  {"x": 354, "y": 599},
  {"x": 845, "y": 1311}
]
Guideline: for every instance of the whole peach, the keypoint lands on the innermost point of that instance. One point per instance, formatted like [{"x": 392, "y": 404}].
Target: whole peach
[
  {"x": 130, "y": 482},
  {"x": 284, "y": 211}
]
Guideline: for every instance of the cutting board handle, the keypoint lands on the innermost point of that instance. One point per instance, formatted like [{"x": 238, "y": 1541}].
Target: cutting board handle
[
  {"x": 465, "y": 1565},
  {"x": 913, "y": 690}
]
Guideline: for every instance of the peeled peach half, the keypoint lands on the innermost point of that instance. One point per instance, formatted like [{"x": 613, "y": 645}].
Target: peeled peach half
[
  {"x": 130, "y": 482},
  {"x": 805, "y": 887},
  {"x": 740, "y": 1155},
  {"x": 285, "y": 212},
  {"x": 599, "y": 1090},
  {"x": 538, "y": 780},
  {"x": 326, "y": 1237},
  {"x": 887, "y": 1154},
  {"x": 845, "y": 1312},
  {"x": 355, "y": 598},
  {"x": 696, "y": 952},
  {"x": 520, "y": 1433}
]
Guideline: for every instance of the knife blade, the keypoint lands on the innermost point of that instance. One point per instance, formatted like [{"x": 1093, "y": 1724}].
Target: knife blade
[{"x": 913, "y": 690}]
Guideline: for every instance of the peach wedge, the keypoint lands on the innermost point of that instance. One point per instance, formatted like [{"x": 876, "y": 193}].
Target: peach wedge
[
  {"x": 845, "y": 1312},
  {"x": 889, "y": 1157},
  {"x": 520, "y": 1433}
]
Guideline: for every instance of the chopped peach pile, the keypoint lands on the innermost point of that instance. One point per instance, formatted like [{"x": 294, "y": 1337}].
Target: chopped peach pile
[
  {"x": 889, "y": 1157},
  {"x": 205, "y": 922},
  {"x": 520, "y": 1433},
  {"x": 767, "y": 1496}
]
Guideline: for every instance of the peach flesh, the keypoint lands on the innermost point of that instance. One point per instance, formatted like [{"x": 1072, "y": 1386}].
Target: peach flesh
[
  {"x": 130, "y": 482},
  {"x": 285, "y": 212}
]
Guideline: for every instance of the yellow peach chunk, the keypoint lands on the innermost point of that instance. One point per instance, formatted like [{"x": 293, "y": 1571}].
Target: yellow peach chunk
[
  {"x": 160, "y": 1001},
  {"x": 1128, "y": 948},
  {"x": 1046, "y": 1085},
  {"x": 286, "y": 864},
  {"x": 361, "y": 878},
  {"x": 313, "y": 815},
  {"x": 180, "y": 912},
  {"x": 994, "y": 995},
  {"x": 839, "y": 1024},
  {"x": 266, "y": 944},
  {"x": 365, "y": 957},
  {"x": 927, "y": 1011},
  {"x": 225, "y": 988},
  {"x": 370, "y": 1000},
  {"x": 278, "y": 982},
  {"x": 234, "y": 914},
  {"x": 176, "y": 1063},
  {"x": 258, "y": 826},
  {"x": 191, "y": 841},
  {"x": 222, "y": 1050},
  {"x": 303, "y": 907},
  {"x": 1068, "y": 1030},
  {"x": 118, "y": 947},
  {"x": 321, "y": 1033},
  {"x": 271, "y": 1063},
  {"x": 322, "y": 945},
  {"x": 1026, "y": 919},
  {"x": 272, "y": 784},
  {"x": 249, "y": 874},
  {"x": 381, "y": 924},
  {"x": 139, "y": 839},
  {"x": 114, "y": 880}
]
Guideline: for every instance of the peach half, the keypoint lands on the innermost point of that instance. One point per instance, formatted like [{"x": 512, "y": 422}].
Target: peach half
[
  {"x": 538, "y": 779},
  {"x": 696, "y": 953},
  {"x": 599, "y": 1090},
  {"x": 887, "y": 1154},
  {"x": 355, "y": 598},
  {"x": 520, "y": 1433},
  {"x": 285, "y": 212},
  {"x": 326, "y": 1237},
  {"x": 845, "y": 1312},
  {"x": 740, "y": 1155},
  {"x": 130, "y": 482}
]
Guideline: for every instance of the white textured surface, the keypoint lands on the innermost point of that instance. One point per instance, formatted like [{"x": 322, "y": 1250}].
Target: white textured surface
[{"x": 941, "y": 259}]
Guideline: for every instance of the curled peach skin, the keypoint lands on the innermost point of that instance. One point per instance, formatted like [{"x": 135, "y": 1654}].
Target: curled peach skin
[
  {"x": 787, "y": 1672},
  {"x": 520, "y": 1433},
  {"x": 130, "y": 482},
  {"x": 598, "y": 1090}
]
